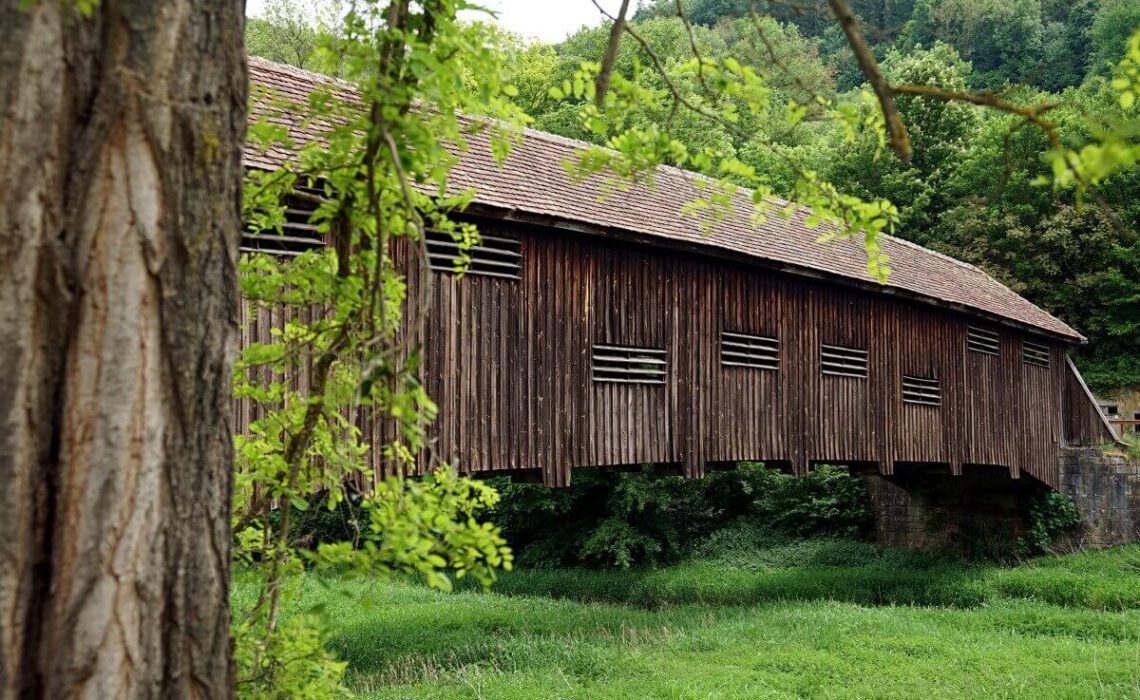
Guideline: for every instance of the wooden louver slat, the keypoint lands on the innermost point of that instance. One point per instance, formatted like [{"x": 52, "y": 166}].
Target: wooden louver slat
[
  {"x": 1035, "y": 353},
  {"x": 926, "y": 391},
  {"x": 628, "y": 365},
  {"x": 983, "y": 341},
  {"x": 492, "y": 256},
  {"x": 298, "y": 233},
  {"x": 839, "y": 361},
  {"x": 744, "y": 350}
]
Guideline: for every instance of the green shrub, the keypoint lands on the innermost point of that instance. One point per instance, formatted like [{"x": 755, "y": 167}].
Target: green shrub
[
  {"x": 827, "y": 501},
  {"x": 1132, "y": 447},
  {"x": 1052, "y": 515},
  {"x": 621, "y": 519}
]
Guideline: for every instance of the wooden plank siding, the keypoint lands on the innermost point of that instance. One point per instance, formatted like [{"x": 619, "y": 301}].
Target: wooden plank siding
[{"x": 509, "y": 364}]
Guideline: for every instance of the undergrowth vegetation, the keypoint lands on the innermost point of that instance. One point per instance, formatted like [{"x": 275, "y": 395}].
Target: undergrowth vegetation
[
  {"x": 621, "y": 519},
  {"x": 1052, "y": 515},
  {"x": 749, "y": 516}
]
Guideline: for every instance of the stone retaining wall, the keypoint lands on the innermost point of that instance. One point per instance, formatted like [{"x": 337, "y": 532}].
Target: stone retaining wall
[{"x": 1106, "y": 487}]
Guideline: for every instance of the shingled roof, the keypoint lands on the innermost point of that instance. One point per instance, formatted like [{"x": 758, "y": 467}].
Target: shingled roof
[{"x": 533, "y": 182}]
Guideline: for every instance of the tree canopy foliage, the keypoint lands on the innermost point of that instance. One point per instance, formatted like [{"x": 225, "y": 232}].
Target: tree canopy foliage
[{"x": 1048, "y": 44}]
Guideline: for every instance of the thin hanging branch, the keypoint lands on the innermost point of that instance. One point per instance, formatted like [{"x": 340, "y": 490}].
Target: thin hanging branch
[
  {"x": 693, "y": 47},
  {"x": 602, "y": 83},
  {"x": 896, "y": 130},
  {"x": 1034, "y": 114}
]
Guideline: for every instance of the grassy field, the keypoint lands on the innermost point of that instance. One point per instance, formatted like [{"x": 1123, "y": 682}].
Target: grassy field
[{"x": 805, "y": 622}]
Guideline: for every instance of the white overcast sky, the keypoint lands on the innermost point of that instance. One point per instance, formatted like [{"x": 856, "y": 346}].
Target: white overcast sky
[{"x": 548, "y": 20}]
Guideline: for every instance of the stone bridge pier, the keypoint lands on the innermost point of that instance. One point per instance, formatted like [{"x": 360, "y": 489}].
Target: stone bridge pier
[{"x": 983, "y": 511}]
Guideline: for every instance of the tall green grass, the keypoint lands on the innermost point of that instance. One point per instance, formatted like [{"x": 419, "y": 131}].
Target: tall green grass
[
  {"x": 801, "y": 620},
  {"x": 827, "y": 570}
]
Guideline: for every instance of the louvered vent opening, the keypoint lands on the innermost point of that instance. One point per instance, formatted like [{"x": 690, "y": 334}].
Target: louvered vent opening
[
  {"x": 628, "y": 365},
  {"x": 986, "y": 342},
  {"x": 838, "y": 361},
  {"x": 298, "y": 234},
  {"x": 1035, "y": 353},
  {"x": 921, "y": 390},
  {"x": 494, "y": 256},
  {"x": 743, "y": 350}
]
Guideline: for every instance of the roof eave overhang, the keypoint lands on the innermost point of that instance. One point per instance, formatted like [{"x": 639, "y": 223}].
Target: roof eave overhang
[{"x": 801, "y": 271}]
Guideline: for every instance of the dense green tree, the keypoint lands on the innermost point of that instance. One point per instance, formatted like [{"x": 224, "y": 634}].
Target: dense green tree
[
  {"x": 289, "y": 44},
  {"x": 703, "y": 12},
  {"x": 938, "y": 131},
  {"x": 531, "y": 65},
  {"x": 1001, "y": 38},
  {"x": 1115, "y": 21},
  {"x": 291, "y": 30},
  {"x": 1065, "y": 54},
  {"x": 1043, "y": 43},
  {"x": 803, "y": 74}
]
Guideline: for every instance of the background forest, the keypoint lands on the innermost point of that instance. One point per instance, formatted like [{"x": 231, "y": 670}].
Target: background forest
[{"x": 976, "y": 188}]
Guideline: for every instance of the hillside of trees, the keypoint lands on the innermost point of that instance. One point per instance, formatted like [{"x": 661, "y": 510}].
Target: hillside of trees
[
  {"x": 978, "y": 187},
  {"x": 1048, "y": 44}
]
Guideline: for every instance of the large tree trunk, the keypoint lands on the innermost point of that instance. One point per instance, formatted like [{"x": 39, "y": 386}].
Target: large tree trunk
[{"x": 120, "y": 177}]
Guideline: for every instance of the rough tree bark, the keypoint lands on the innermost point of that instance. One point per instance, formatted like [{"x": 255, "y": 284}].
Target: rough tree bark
[{"x": 120, "y": 177}]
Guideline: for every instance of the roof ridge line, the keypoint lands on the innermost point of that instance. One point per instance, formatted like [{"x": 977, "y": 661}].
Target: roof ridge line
[{"x": 299, "y": 72}]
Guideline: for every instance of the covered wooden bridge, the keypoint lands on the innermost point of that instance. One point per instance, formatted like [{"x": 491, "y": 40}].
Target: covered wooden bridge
[{"x": 604, "y": 327}]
